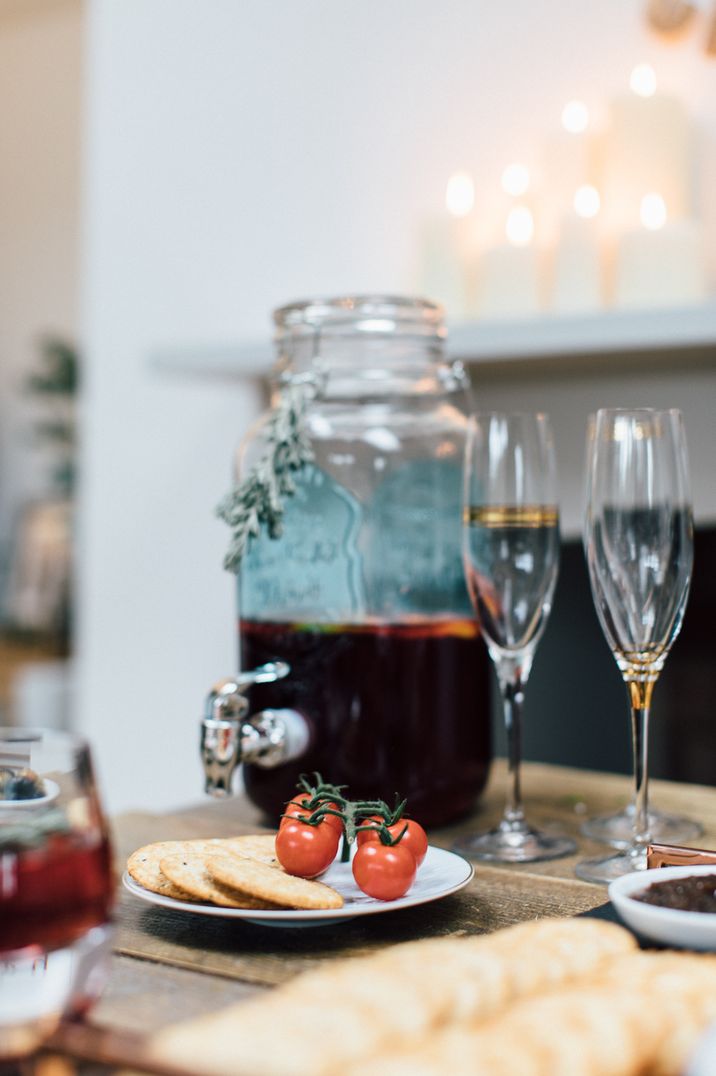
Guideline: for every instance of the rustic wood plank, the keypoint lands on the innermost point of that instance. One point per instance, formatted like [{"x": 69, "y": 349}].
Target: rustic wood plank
[{"x": 142, "y": 998}]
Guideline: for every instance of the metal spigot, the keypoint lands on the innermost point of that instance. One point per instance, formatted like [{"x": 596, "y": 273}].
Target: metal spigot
[{"x": 229, "y": 737}]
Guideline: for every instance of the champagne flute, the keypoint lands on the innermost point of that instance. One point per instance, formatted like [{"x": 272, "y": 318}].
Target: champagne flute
[
  {"x": 639, "y": 542},
  {"x": 617, "y": 828},
  {"x": 56, "y": 886},
  {"x": 511, "y": 557}
]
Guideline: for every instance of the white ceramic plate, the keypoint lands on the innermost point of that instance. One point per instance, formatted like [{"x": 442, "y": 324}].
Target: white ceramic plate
[
  {"x": 688, "y": 930},
  {"x": 441, "y": 873}
]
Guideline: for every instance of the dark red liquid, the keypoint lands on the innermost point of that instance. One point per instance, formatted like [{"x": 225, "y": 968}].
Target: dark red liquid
[
  {"x": 52, "y": 895},
  {"x": 393, "y": 708}
]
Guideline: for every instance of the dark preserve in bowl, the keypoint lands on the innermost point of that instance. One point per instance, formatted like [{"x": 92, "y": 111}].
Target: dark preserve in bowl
[
  {"x": 393, "y": 708},
  {"x": 696, "y": 893}
]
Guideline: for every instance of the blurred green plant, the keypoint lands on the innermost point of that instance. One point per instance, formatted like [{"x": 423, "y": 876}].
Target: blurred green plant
[{"x": 56, "y": 382}]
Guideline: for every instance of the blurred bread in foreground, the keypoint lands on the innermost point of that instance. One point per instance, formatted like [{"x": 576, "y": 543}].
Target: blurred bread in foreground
[
  {"x": 352, "y": 1013},
  {"x": 642, "y": 1016}
]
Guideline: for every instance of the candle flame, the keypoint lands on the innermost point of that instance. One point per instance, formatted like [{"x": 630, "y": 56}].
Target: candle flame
[
  {"x": 516, "y": 179},
  {"x": 460, "y": 194},
  {"x": 643, "y": 80},
  {"x": 575, "y": 117},
  {"x": 587, "y": 201},
  {"x": 520, "y": 226},
  {"x": 653, "y": 212}
]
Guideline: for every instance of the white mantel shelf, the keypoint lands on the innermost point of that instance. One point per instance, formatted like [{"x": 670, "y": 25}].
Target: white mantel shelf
[
  {"x": 498, "y": 343},
  {"x": 601, "y": 333}
]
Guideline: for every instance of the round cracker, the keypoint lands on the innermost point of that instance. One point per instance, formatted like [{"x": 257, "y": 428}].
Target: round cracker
[
  {"x": 266, "y": 883},
  {"x": 144, "y": 865},
  {"x": 189, "y": 873},
  {"x": 260, "y": 846}
]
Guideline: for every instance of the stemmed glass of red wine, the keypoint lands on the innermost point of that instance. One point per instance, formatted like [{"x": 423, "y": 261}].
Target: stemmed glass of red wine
[{"x": 56, "y": 885}]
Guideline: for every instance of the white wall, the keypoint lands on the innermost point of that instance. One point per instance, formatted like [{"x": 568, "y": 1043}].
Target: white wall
[
  {"x": 40, "y": 111},
  {"x": 240, "y": 155}
]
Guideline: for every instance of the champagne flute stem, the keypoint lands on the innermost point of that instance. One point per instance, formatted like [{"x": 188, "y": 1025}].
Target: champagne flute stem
[
  {"x": 640, "y": 692},
  {"x": 512, "y": 677}
]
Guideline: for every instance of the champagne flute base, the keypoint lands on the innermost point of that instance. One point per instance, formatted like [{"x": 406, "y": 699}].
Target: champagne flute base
[
  {"x": 605, "y": 869},
  {"x": 507, "y": 845},
  {"x": 617, "y": 829}
]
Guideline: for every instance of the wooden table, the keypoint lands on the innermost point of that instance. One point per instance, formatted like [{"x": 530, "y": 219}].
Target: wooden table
[{"x": 168, "y": 967}]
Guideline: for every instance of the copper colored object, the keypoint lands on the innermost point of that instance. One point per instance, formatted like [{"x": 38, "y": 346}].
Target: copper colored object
[
  {"x": 670, "y": 17},
  {"x": 711, "y": 35},
  {"x": 673, "y": 855}
]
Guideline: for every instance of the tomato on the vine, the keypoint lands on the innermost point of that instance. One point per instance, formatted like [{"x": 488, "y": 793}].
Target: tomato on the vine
[
  {"x": 415, "y": 838},
  {"x": 297, "y": 809},
  {"x": 384, "y": 871},
  {"x": 306, "y": 850}
]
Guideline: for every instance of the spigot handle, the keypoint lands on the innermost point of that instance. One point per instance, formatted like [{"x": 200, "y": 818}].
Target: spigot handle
[{"x": 264, "y": 674}]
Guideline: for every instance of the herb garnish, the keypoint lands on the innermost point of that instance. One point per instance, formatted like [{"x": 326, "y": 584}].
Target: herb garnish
[{"x": 259, "y": 498}]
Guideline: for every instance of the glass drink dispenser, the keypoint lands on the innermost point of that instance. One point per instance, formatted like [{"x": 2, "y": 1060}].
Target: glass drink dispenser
[{"x": 363, "y": 658}]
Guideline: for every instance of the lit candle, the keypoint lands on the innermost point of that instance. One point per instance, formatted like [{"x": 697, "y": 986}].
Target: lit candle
[
  {"x": 516, "y": 180},
  {"x": 577, "y": 271},
  {"x": 662, "y": 262},
  {"x": 443, "y": 254},
  {"x": 567, "y": 165},
  {"x": 647, "y": 144},
  {"x": 508, "y": 281}
]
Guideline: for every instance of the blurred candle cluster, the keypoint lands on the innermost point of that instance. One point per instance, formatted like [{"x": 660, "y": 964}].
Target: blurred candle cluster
[{"x": 606, "y": 218}]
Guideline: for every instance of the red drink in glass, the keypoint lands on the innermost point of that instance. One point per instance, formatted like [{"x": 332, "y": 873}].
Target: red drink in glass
[{"x": 56, "y": 888}]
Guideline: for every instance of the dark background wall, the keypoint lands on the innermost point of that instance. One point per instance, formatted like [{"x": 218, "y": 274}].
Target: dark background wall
[{"x": 576, "y": 710}]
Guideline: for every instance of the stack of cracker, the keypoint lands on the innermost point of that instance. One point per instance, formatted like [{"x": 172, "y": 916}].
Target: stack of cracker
[
  {"x": 231, "y": 872},
  {"x": 546, "y": 998}
]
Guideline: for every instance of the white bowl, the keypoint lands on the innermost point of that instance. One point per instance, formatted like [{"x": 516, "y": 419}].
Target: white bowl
[
  {"x": 703, "y": 1060},
  {"x": 668, "y": 926},
  {"x": 52, "y": 791}
]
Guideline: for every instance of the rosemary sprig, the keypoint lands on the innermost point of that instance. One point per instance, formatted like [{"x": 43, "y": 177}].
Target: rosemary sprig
[{"x": 259, "y": 498}]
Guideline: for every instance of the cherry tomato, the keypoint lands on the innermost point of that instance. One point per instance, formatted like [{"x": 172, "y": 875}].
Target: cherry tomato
[
  {"x": 415, "y": 838},
  {"x": 384, "y": 871},
  {"x": 369, "y": 834},
  {"x": 296, "y": 809},
  {"x": 332, "y": 820},
  {"x": 306, "y": 850}
]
